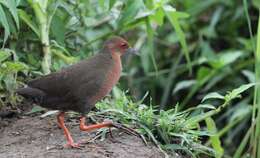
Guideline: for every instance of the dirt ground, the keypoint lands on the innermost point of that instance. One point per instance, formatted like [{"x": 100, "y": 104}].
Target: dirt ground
[{"x": 33, "y": 137}]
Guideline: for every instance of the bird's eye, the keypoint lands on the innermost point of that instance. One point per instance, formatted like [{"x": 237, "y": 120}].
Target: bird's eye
[{"x": 123, "y": 45}]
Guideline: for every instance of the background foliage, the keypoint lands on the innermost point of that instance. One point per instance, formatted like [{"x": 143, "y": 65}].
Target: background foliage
[{"x": 189, "y": 50}]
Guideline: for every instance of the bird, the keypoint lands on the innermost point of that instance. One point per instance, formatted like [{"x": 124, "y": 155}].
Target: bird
[{"x": 80, "y": 86}]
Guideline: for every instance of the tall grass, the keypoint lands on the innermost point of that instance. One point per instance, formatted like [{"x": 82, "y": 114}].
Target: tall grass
[
  {"x": 256, "y": 111},
  {"x": 252, "y": 137}
]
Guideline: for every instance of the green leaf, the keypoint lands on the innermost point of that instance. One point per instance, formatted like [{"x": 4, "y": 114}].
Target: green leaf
[
  {"x": 129, "y": 12},
  {"x": 206, "y": 106},
  {"x": 17, "y": 2},
  {"x": 183, "y": 85},
  {"x": 101, "y": 3},
  {"x": 174, "y": 16},
  {"x": 13, "y": 67},
  {"x": 256, "y": 3},
  {"x": 213, "y": 95},
  {"x": 149, "y": 4},
  {"x": 27, "y": 19},
  {"x": 35, "y": 109},
  {"x": 11, "y": 5},
  {"x": 202, "y": 73},
  {"x": 150, "y": 34},
  {"x": 111, "y": 3},
  {"x": 12, "y": 25},
  {"x": 176, "y": 147},
  {"x": 158, "y": 16},
  {"x": 236, "y": 92},
  {"x": 214, "y": 139},
  {"x": 226, "y": 58},
  {"x": 4, "y": 22},
  {"x": 52, "y": 8},
  {"x": 58, "y": 30},
  {"x": 241, "y": 112},
  {"x": 249, "y": 75},
  {"x": 4, "y": 55}
]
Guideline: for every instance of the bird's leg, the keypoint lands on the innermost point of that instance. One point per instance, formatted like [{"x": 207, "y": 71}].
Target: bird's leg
[
  {"x": 84, "y": 127},
  {"x": 70, "y": 142},
  {"x": 109, "y": 124},
  {"x": 110, "y": 133}
]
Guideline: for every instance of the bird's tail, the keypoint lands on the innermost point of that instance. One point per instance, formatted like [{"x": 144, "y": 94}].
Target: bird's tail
[{"x": 31, "y": 93}]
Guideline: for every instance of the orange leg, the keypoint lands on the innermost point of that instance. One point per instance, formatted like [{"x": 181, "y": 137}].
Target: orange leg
[
  {"x": 84, "y": 127},
  {"x": 70, "y": 142},
  {"x": 109, "y": 124}
]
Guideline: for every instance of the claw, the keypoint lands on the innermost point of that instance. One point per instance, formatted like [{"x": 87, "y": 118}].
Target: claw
[{"x": 110, "y": 133}]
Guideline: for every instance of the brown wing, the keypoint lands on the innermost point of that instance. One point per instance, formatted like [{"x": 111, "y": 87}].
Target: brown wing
[
  {"x": 52, "y": 84},
  {"x": 80, "y": 80}
]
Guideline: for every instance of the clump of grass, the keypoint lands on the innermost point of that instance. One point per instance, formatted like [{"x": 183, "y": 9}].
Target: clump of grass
[
  {"x": 172, "y": 130},
  {"x": 166, "y": 129}
]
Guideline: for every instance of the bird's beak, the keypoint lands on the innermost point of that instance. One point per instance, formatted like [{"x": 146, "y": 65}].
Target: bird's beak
[{"x": 132, "y": 51}]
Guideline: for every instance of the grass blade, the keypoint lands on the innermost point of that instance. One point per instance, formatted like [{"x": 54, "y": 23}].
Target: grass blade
[
  {"x": 173, "y": 17},
  {"x": 215, "y": 140},
  {"x": 150, "y": 34},
  {"x": 256, "y": 136},
  {"x": 26, "y": 18}
]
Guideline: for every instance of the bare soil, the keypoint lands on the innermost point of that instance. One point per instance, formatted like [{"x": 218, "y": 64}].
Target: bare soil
[{"x": 33, "y": 137}]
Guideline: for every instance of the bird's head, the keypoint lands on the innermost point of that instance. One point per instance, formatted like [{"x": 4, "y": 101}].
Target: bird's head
[{"x": 119, "y": 45}]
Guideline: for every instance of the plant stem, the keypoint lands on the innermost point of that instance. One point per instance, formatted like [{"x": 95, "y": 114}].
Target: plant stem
[
  {"x": 42, "y": 18},
  {"x": 46, "y": 63},
  {"x": 195, "y": 120},
  {"x": 169, "y": 82}
]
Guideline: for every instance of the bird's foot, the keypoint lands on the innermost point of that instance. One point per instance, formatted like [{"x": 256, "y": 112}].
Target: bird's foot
[
  {"x": 74, "y": 145},
  {"x": 110, "y": 133},
  {"x": 109, "y": 124}
]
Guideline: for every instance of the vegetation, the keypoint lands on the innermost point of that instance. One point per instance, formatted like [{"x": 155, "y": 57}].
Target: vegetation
[{"x": 196, "y": 59}]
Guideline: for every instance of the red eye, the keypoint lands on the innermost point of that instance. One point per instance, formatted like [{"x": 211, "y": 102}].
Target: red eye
[{"x": 124, "y": 45}]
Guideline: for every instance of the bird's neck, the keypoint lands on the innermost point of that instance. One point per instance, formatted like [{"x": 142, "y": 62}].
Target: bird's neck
[{"x": 117, "y": 60}]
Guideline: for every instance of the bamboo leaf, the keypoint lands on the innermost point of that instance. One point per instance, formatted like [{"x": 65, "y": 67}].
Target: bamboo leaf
[
  {"x": 4, "y": 22},
  {"x": 11, "y": 5},
  {"x": 10, "y": 67},
  {"x": 51, "y": 12},
  {"x": 27, "y": 19},
  {"x": 58, "y": 30},
  {"x": 4, "y": 55}
]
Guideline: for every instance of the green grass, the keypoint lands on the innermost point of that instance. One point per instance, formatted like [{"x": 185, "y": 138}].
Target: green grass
[{"x": 173, "y": 130}]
